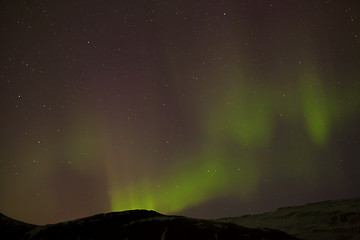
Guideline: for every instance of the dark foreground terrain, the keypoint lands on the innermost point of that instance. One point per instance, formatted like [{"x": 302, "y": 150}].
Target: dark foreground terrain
[
  {"x": 136, "y": 224},
  {"x": 330, "y": 220}
]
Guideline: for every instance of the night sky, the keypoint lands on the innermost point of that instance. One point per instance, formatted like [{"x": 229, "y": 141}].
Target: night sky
[{"x": 200, "y": 108}]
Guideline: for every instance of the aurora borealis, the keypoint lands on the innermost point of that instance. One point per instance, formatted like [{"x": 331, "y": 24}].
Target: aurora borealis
[{"x": 200, "y": 108}]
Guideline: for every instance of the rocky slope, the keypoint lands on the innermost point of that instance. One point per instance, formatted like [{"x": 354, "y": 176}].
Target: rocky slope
[{"x": 330, "y": 220}]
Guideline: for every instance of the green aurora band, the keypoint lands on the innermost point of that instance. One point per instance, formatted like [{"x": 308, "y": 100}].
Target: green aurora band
[{"x": 249, "y": 120}]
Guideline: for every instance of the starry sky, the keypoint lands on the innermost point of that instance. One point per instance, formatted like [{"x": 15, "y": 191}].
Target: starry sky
[{"x": 201, "y": 108}]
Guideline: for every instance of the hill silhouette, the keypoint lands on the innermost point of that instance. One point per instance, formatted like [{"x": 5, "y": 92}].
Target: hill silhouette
[
  {"x": 331, "y": 220},
  {"x": 136, "y": 224}
]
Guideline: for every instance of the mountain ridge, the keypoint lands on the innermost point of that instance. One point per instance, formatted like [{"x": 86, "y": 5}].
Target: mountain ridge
[
  {"x": 332, "y": 219},
  {"x": 142, "y": 224}
]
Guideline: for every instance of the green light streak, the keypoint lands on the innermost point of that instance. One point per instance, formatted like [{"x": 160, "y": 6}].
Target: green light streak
[
  {"x": 209, "y": 175},
  {"x": 315, "y": 108},
  {"x": 240, "y": 123},
  {"x": 251, "y": 124},
  {"x": 133, "y": 197},
  {"x": 244, "y": 114},
  {"x": 189, "y": 185}
]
